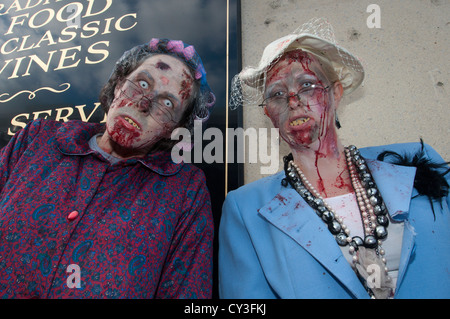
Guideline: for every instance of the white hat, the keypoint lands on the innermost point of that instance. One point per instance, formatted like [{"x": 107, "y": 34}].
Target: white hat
[{"x": 315, "y": 37}]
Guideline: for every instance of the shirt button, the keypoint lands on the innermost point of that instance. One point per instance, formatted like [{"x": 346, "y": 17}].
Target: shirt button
[{"x": 73, "y": 215}]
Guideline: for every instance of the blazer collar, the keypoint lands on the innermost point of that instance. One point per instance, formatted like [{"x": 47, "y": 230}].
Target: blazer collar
[
  {"x": 395, "y": 184},
  {"x": 292, "y": 215}
]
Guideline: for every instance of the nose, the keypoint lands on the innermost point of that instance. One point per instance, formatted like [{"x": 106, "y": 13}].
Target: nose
[
  {"x": 144, "y": 105},
  {"x": 293, "y": 100}
]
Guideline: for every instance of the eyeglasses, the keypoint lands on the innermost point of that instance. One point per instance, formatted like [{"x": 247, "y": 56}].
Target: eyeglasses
[
  {"x": 311, "y": 95},
  {"x": 160, "y": 107}
]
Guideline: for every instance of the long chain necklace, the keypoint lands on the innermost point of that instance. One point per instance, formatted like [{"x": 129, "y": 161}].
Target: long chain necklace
[{"x": 372, "y": 209}]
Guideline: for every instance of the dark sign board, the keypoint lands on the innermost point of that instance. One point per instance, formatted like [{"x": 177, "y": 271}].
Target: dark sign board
[{"x": 55, "y": 55}]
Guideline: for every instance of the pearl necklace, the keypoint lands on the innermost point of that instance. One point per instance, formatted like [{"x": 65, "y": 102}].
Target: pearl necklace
[{"x": 372, "y": 208}]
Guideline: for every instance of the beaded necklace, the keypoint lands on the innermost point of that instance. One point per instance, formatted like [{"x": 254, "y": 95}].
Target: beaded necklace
[{"x": 373, "y": 214}]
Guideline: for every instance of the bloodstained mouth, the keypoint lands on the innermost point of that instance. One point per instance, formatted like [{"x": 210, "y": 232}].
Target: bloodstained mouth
[
  {"x": 132, "y": 122},
  {"x": 299, "y": 121}
]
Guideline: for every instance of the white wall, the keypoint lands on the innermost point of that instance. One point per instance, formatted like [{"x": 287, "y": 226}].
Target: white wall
[{"x": 405, "y": 95}]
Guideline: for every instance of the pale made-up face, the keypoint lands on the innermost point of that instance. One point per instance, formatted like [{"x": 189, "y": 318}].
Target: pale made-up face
[
  {"x": 147, "y": 106},
  {"x": 306, "y": 120}
]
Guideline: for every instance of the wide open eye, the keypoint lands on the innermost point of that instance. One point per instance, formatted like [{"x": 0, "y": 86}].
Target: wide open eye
[
  {"x": 143, "y": 84},
  {"x": 167, "y": 103}
]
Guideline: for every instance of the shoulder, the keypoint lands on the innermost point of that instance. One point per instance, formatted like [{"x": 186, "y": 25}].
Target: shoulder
[
  {"x": 33, "y": 132},
  {"x": 49, "y": 126},
  {"x": 403, "y": 149},
  {"x": 185, "y": 173},
  {"x": 264, "y": 186},
  {"x": 430, "y": 176},
  {"x": 195, "y": 177},
  {"x": 254, "y": 195},
  {"x": 35, "y": 126},
  {"x": 189, "y": 178},
  {"x": 193, "y": 171}
]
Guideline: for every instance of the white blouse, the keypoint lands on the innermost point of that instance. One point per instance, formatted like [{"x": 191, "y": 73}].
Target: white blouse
[{"x": 347, "y": 208}]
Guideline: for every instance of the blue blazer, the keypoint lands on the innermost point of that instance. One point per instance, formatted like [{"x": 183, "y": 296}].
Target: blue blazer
[{"x": 273, "y": 245}]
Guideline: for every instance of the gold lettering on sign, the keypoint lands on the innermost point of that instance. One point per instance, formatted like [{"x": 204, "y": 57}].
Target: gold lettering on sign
[
  {"x": 83, "y": 20},
  {"x": 36, "y": 38},
  {"x": 59, "y": 114}
]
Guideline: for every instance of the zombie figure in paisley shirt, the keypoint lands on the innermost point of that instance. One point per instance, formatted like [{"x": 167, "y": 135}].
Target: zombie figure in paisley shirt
[{"x": 107, "y": 198}]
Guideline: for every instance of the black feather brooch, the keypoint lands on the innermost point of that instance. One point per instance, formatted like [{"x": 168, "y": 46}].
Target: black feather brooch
[{"x": 429, "y": 180}]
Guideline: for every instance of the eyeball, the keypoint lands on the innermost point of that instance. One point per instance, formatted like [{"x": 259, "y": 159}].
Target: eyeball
[
  {"x": 167, "y": 103},
  {"x": 143, "y": 84},
  {"x": 279, "y": 94}
]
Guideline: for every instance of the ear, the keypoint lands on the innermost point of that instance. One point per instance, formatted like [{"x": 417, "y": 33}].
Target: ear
[
  {"x": 338, "y": 92},
  {"x": 266, "y": 112}
]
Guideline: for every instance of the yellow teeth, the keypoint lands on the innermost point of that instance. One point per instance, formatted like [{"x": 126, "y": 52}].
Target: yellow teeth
[
  {"x": 132, "y": 122},
  {"x": 299, "y": 121}
]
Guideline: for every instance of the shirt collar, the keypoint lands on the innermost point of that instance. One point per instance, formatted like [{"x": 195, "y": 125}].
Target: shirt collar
[{"x": 72, "y": 138}]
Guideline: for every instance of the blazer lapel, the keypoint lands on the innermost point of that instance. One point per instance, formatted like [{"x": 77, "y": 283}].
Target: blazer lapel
[
  {"x": 396, "y": 184},
  {"x": 292, "y": 215}
]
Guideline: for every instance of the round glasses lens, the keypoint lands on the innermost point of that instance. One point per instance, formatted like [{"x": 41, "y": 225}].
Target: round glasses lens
[
  {"x": 309, "y": 97},
  {"x": 160, "y": 113}
]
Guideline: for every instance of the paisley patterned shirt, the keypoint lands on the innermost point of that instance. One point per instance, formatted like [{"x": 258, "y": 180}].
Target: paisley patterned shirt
[{"x": 73, "y": 225}]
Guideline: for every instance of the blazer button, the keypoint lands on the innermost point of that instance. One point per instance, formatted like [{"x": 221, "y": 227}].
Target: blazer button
[{"x": 73, "y": 215}]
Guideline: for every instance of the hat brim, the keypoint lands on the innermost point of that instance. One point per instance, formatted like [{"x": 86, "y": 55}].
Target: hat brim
[{"x": 346, "y": 66}]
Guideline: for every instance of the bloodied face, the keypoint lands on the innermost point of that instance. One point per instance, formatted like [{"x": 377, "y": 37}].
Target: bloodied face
[
  {"x": 147, "y": 106},
  {"x": 299, "y": 99}
]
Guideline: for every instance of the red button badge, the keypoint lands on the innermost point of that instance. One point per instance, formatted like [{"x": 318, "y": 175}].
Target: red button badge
[{"x": 72, "y": 215}]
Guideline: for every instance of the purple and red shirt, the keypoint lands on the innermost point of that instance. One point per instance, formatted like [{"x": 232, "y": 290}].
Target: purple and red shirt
[{"x": 139, "y": 228}]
